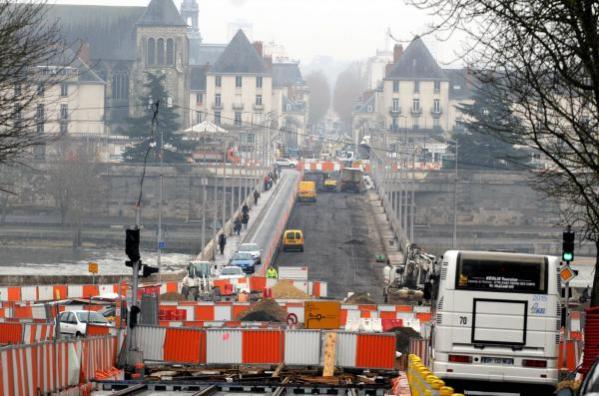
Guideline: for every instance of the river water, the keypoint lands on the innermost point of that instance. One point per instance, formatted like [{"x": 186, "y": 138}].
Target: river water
[{"x": 67, "y": 261}]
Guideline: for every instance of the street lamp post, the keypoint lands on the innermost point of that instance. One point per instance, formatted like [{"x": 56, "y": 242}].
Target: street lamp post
[{"x": 454, "y": 243}]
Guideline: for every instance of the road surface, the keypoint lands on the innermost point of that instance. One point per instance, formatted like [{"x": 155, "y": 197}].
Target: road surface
[{"x": 341, "y": 242}]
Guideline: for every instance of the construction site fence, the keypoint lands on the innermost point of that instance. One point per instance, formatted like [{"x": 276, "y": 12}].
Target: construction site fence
[
  {"x": 384, "y": 317},
  {"x": 423, "y": 382},
  {"x": 25, "y": 333},
  {"x": 262, "y": 346},
  {"x": 63, "y": 367},
  {"x": 27, "y": 295}
]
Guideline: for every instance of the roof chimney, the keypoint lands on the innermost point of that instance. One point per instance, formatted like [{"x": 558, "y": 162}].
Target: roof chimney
[
  {"x": 268, "y": 61},
  {"x": 397, "y": 52},
  {"x": 259, "y": 48},
  {"x": 388, "y": 67},
  {"x": 85, "y": 53}
]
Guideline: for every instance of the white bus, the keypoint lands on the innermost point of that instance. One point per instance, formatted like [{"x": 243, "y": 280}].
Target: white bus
[{"x": 497, "y": 322}]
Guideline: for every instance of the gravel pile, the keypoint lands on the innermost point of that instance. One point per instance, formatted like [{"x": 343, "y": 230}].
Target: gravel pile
[
  {"x": 266, "y": 310},
  {"x": 285, "y": 289}
]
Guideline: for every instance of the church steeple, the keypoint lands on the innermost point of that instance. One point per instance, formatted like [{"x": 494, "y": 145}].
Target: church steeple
[{"x": 190, "y": 13}]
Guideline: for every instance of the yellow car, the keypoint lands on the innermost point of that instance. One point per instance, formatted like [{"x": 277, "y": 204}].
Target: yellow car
[
  {"x": 330, "y": 185},
  {"x": 293, "y": 240}
]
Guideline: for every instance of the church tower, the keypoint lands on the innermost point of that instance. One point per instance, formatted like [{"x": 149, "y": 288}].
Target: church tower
[
  {"x": 163, "y": 48},
  {"x": 190, "y": 12}
]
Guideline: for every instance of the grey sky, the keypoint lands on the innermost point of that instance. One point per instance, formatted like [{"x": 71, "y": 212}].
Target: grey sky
[{"x": 343, "y": 29}]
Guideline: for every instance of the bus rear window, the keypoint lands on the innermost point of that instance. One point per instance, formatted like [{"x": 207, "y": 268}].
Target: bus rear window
[{"x": 512, "y": 274}]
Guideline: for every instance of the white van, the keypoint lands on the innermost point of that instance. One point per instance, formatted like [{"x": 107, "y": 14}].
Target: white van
[{"x": 497, "y": 322}]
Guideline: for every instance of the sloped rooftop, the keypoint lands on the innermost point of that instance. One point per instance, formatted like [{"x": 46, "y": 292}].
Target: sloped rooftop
[
  {"x": 240, "y": 57},
  {"x": 161, "y": 13},
  {"x": 416, "y": 63}
]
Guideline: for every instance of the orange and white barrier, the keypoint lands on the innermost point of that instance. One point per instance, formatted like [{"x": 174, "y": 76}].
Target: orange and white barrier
[
  {"x": 25, "y": 333},
  {"x": 52, "y": 367},
  {"x": 261, "y": 346}
]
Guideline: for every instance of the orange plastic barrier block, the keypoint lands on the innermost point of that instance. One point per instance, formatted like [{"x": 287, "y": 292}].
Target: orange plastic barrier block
[
  {"x": 11, "y": 333},
  {"x": 185, "y": 346},
  {"x": 238, "y": 310},
  {"x": 387, "y": 315},
  {"x": 14, "y": 294},
  {"x": 204, "y": 312},
  {"x": 403, "y": 308},
  {"x": 376, "y": 351},
  {"x": 262, "y": 346},
  {"x": 424, "y": 316},
  {"x": 90, "y": 291}
]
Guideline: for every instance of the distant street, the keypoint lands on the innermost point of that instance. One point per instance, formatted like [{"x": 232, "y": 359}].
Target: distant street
[{"x": 340, "y": 244}]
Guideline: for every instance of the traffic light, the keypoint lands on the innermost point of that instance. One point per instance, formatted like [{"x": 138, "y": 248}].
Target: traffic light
[
  {"x": 149, "y": 270},
  {"x": 568, "y": 246},
  {"x": 132, "y": 244}
]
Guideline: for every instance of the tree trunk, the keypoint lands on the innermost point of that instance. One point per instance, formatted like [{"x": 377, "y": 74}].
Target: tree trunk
[{"x": 595, "y": 292}]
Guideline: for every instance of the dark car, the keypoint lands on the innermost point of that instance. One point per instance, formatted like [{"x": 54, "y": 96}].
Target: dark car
[{"x": 244, "y": 260}]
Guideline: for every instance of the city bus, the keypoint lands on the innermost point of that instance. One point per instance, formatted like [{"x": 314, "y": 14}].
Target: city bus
[{"x": 497, "y": 322}]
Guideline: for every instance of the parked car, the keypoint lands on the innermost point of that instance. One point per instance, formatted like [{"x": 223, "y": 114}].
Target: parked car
[
  {"x": 285, "y": 163},
  {"x": 253, "y": 249},
  {"x": 110, "y": 313},
  {"x": 245, "y": 261},
  {"x": 231, "y": 272},
  {"x": 75, "y": 322}
]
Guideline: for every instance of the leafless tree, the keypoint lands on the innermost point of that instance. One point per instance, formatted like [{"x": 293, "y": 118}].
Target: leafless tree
[
  {"x": 33, "y": 56},
  {"x": 320, "y": 98},
  {"x": 74, "y": 182},
  {"x": 542, "y": 56},
  {"x": 350, "y": 84}
]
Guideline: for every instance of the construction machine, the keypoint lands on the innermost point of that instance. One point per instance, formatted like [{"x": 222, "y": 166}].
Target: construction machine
[
  {"x": 414, "y": 279},
  {"x": 351, "y": 180}
]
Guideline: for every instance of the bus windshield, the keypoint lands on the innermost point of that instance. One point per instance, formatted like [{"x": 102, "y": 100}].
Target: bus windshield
[{"x": 502, "y": 273}]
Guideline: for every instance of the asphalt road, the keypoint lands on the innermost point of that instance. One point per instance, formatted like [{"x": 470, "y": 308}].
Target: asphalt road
[{"x": 341, "y": 242}]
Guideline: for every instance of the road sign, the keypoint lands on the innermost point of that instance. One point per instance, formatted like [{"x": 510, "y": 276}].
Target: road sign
[
  {"x": 92, "y": 267},
  {"x": 161, "y": 245},
  {"x": 567, "y": 274},
  {"x": 322, "y": 314}
]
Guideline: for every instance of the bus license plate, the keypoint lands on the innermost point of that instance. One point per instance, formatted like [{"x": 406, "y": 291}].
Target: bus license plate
[{"x": 496, "y": 360}]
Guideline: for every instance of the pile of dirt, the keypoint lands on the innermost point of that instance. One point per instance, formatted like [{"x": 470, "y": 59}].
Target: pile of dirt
[
  {"x": 266, "y": 310},
  {"x": 285, "y": 289},
  {"x": 360, "y": 298},
  {"x": 172, "y": 297},
  {"x": 402, "y": 338}
]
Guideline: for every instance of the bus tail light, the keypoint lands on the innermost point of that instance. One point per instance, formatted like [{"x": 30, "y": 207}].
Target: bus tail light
[
  {"x": 460, "y": 359},
  {"x": 534, "y": 363}
]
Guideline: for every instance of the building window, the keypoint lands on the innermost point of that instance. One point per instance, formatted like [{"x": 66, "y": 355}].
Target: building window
[
  {"x": 39, "y": 152},
  {"x": 395, "y": 104},
  {"x": 436, "y": 122},
  {"x": 17, "y": 113},
  {"x": 199, "y": 117},
  {"x": 160, "y": 51},
  {"x": 41, "y": 89},
  {"x": 238, "y": 81},
  {"x": 151, "y": 51},
  {"x": 436, "y": 106},
  {"x": 64, "y": 90},
  {"x": 395, "y": 86},
  {"x": 199, "y": 98},
  {"x": 394, "y": 125},
  {"x": 218, "y": 81},
  {"x": 120, "y": 85},
  {"x": 415, "y": 124},
  {"x": 416, "y": 105},
  {"x": 64, "y": 128},
  {"x": 17, "y": 90},
  {"x": 258, "y": 82},
  {"x": 64, "y": 111},
  {"x": 416, "y": 86},
  {"x": 259, "y": 100},
  {"x": 217, "y": 117},
  {"x": 237, "y": 118},
  {"x": 170, "y": 52},
  {"x": 217, "y": 101},
  {"x": 437, "y": 86},
  {"x": 250, "y": 138}
]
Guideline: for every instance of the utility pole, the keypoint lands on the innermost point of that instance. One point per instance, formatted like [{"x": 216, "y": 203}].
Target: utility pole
[
  {"x": 454, "y": 243},
  {"x": 159, "y": 242},
  {"x": 204, "y": 198}
]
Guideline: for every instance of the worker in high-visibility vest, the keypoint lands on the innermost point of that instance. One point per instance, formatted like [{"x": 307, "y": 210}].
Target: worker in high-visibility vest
[{"x": 272, "y": 273}]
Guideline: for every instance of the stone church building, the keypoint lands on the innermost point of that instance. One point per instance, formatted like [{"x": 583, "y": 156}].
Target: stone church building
[{"x": 121, "y": 44}]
